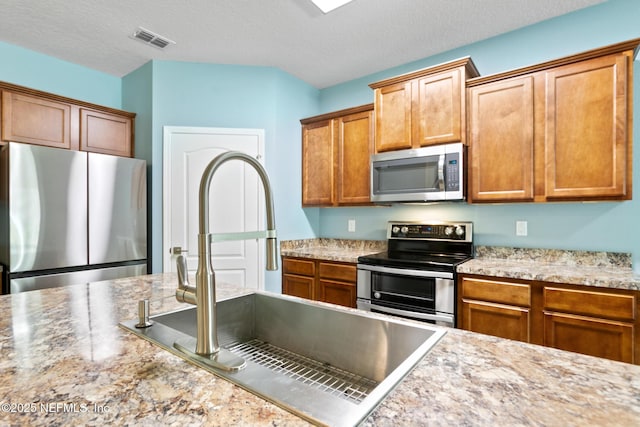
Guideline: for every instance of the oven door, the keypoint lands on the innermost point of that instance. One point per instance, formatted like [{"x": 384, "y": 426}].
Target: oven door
[{"x": 415, "y": 294}]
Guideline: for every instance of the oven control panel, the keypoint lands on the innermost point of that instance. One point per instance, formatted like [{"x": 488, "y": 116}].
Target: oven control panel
[{"x": 457, "y": 231}]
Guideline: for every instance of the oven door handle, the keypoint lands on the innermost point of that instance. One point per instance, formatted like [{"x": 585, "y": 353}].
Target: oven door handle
[
  {"x": 415, "y": 315},
  {"x": 395, "y": 294},
  {"x": 406, "y": 272}
]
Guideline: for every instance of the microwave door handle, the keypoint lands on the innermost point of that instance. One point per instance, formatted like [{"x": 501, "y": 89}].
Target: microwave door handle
[{"x": 441, "y": 172}]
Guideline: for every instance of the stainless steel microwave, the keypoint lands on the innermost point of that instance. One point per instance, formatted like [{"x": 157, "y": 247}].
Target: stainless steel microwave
[{"x": 419, "y": 175}]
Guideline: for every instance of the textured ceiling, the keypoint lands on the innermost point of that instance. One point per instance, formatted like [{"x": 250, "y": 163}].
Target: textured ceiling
[{"x": 360, "y": 38}]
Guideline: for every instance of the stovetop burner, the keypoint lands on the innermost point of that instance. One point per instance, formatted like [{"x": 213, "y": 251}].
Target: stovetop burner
[
  {"x": 434, "y": 246},
  {"x": 417, "y": 261}
]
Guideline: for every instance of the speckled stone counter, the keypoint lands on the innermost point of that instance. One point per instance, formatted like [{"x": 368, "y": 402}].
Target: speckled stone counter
[
  {"x": 601, "y": 269},
  {"x": 66, "y": 362},
  {"x": 343, "y": 250}
]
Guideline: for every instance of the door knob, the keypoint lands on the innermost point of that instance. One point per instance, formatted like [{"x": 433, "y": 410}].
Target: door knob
[{"x": 177, "y": 250}]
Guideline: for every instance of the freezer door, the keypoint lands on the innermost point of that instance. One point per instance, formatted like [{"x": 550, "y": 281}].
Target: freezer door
[
  {"x": 25, "y": 284},
  {"x": 47, "y": 192},
  {"x": 117, "y": 209}
]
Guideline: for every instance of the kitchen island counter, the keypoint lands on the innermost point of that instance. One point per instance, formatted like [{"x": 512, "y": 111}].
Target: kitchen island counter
[{"x": 66, "y": 362}]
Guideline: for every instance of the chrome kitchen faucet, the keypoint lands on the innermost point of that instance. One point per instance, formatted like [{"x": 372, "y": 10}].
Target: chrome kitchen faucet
[{"x": 203, "y": 294}]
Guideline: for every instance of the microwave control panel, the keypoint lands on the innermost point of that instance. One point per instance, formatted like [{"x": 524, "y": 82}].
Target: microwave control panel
[{"x": 452, "y": 172}]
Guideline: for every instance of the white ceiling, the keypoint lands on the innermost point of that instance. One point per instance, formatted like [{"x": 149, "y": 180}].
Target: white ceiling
[{"x": 360, "y": 38}]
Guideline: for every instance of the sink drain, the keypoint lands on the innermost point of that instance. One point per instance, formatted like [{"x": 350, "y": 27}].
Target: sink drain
[{"x": 319, "y": 375}]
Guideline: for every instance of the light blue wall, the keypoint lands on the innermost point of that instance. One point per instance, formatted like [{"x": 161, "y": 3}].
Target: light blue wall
[
  {"x": 213, "y": 95},
  {"x": 580, "y": 226},
  {"x": 37, "y": 71},
  {"x": 137, "y": 95}
]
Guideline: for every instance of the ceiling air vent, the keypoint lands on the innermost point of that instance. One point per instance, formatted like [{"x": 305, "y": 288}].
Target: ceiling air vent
[{"x": 151, "y": 38}]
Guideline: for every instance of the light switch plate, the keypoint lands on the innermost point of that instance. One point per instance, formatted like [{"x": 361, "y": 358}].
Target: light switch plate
[{"x": 521, "y": 228}]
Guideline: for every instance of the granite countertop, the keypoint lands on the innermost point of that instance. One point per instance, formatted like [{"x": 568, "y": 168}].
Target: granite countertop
[
  {"x": 343, "y": 250},
  {"x": 601, "y": 269},
  {"x": 587, "y": 268},
  {"x": 66, "y": 362}
]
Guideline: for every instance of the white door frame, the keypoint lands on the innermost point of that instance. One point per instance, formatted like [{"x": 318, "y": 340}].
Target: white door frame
[{"x": 168, "y": 132}]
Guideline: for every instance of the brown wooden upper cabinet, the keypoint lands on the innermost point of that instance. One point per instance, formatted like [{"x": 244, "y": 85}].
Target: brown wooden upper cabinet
[
  {"x": 106, "y": 133},
  {"x": 336, "y": 150},
  {"x": 35, "y": 120},
  {"x": 40, "y": 118},
  {"x": 560, "y": 130},
  {"x": 425, "y": 107}
]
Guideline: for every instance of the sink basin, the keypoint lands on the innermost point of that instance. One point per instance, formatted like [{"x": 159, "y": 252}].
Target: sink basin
[{"x": 324, "y": 364}]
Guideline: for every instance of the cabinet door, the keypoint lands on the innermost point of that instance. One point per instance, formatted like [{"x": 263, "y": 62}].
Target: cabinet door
[
  {"x": 596, "y": 337},
  {"x": 439, "y": 117},
  {"x": 393, "y": 117},
  {"x": 337, "y": 293},
  {"x": 499, "y": 320},
  {"x": 299, "y": 286},
  {"x": 105, "y": 133},
  {"x": 355, "y": 146},
  {"x": 318, "y": 164},
  {"x": 587, "y": 125},
  {"x": 501, "y": 121},
  {"x": 35, "y": 120}
]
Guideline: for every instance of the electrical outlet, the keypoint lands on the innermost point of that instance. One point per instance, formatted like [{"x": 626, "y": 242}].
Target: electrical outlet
[
  {"x": 521, "y": 228},
  {"x": 352, "y": 226}
]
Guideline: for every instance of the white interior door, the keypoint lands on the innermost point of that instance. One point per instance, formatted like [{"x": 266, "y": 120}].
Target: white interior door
[{"x": 235, "y": 201}]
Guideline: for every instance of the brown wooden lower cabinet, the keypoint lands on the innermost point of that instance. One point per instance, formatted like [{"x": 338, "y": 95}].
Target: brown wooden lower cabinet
[
  {"x": 599, "y": 322},
  {"x": 496, "y": 308},
  {"x": 327, "y": 281}
]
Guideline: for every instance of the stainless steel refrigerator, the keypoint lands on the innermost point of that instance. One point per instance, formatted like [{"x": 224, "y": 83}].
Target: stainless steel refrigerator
[{"x": 70, "y": 217}]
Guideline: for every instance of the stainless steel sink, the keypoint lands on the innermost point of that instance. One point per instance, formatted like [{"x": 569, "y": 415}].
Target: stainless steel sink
[{"x": 324, "y": 364}]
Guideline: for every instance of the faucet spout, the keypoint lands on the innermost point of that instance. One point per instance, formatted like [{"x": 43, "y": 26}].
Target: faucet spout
[{"x": 204, "y": 292}]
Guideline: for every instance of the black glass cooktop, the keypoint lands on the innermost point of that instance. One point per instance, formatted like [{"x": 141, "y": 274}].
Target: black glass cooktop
[{"x": 419, "y": 261}]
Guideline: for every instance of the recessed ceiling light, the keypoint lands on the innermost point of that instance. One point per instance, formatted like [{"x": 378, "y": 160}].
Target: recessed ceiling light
[{"x": 327, "y": 6}]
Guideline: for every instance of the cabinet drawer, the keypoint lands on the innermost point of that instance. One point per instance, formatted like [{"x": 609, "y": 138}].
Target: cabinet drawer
[
  {"x": 500, "y": 292},
  {"x": 343, "y": 272},
  {"x": 597, "y": 304},
  {"x": 298, "y": 266}
]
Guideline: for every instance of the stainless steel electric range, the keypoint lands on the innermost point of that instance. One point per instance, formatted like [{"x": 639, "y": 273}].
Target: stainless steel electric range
[{"x": 416, "y": 277}]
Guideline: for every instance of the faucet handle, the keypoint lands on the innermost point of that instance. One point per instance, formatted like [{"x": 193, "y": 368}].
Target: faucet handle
[{"x": 181, "y": 264}]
